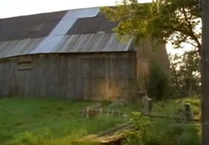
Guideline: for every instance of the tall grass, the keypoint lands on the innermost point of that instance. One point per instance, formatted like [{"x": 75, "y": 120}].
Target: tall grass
[
  {"x": 162, "y": 132},
  {"x": 174, "y": 107}
]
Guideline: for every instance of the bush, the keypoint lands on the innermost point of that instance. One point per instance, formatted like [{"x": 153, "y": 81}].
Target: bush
[
  {"x": 161, "y": 132},
  {"x": 158, "y": 83}
]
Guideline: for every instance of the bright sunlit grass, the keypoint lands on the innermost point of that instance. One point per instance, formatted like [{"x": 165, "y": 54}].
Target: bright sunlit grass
[{"x": 46, "y": 121}]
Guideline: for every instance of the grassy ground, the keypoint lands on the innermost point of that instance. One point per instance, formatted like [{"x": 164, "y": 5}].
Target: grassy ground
[
  {"x": 46, "y": 121},
  {"x": 171, "y": 107},
  {"x": 25, "y": 121}
]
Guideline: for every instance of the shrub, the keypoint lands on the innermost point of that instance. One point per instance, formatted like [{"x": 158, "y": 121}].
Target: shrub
[
  {"x": 158, "y": 83},
  {"x": 161, "y": 132}
]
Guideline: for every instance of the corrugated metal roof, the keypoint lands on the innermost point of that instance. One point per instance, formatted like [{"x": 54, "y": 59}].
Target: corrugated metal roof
[
  {"x": 18, "y": 47},
  {"x": 100, "y": 42},
  {"x": 48, "y": 44},
  {"x": 76, "y": 43},
  {"x": 73, "y": 31}
]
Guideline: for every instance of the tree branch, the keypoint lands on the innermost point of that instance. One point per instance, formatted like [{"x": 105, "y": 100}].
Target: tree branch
[{"x": 192, "y": 35}]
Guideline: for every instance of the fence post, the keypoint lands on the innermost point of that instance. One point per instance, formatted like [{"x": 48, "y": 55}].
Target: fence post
[
  {"x": 108, "y": 110},
  {"x": 188, "y": 111},
  {"x": 112, "y": 112},
  {"x": 100, "y": 112},
  {"x": 87, "y": 112},
  {"x": 147, "y": 105}
]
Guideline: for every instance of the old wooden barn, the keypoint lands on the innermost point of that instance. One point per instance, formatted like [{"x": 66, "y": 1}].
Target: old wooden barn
[{"x": 72, "y": 54}]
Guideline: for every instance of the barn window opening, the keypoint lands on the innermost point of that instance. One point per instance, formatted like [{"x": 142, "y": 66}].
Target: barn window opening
[{"x": 25, "y": 65}]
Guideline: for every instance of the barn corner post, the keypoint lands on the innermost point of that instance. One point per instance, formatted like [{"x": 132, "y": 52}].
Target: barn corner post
[{"x": 205, "y": 71}]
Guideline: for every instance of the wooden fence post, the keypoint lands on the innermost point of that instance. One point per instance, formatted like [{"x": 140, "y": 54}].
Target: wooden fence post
[
  {"x": 108, "y": 110},
  {"x": 100, "y": 112},
  {"x": 147, "y": 105},
  {"x": 87, "y": 112},
  {"x": 188, "y": 111}
]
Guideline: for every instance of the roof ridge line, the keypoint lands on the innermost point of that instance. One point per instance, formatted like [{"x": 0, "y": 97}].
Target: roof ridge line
[{"x": 48, "y": 12}]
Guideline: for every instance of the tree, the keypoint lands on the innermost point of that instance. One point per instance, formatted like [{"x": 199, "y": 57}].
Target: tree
[
  {"x": 175, "y": 21},
  {"x": 185, "y": 74}
]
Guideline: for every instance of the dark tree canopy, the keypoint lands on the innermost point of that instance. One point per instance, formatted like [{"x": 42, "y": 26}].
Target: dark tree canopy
[{"x": 175, "y": 21}]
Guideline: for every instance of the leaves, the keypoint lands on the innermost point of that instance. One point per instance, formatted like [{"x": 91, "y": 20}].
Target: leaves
[
  {"x": 185, "y": 72},
  {"x": 158, "y": 83},
  {"x": 165, "y": 20}
]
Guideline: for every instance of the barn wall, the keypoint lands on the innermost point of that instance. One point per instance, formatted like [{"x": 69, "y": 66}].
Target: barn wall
[
  {"x": 157, "y": 55},
  {"x": 146, "y": 57},
  {"x": 161, "y": 57},
  {"x": 105, "y": 76},
  {"x": 142, "y": 52}
]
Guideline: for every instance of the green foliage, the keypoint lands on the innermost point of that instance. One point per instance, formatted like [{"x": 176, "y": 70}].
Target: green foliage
[
  {"x": 171, "y": 21},
  {"x": 162, "y": 20},
  {"x": 185, "y": 74},
  {"x": 174, "y": 21},
  {"x": 157, "y": 83},
  {"x": 44, "y": 138},
  {"x": 174, "y": 107},
  {"x": 195, "y": 103},
  {"x": 161, "y": 132}
]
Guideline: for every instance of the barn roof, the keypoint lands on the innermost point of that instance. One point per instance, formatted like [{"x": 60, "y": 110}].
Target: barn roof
[{"x": 77, "y": 31}]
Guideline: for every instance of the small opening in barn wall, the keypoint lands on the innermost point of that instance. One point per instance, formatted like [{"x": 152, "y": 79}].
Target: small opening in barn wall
[{"x": 24, "y": 64}]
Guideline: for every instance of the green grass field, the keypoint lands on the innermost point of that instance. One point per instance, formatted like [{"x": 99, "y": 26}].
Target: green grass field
[{"x": 46, "y": 121}]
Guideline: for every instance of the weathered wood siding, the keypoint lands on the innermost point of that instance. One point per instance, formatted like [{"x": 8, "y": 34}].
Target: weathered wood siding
[
  {"x": 158, "y": 54},
  {"x": 146, "y": 57},
  {"x": 105, "y": 76},
  {"x": 142, "y": 63}
]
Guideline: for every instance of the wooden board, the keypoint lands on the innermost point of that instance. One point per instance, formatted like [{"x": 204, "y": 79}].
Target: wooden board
[{"x": 108, "y": 136}]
